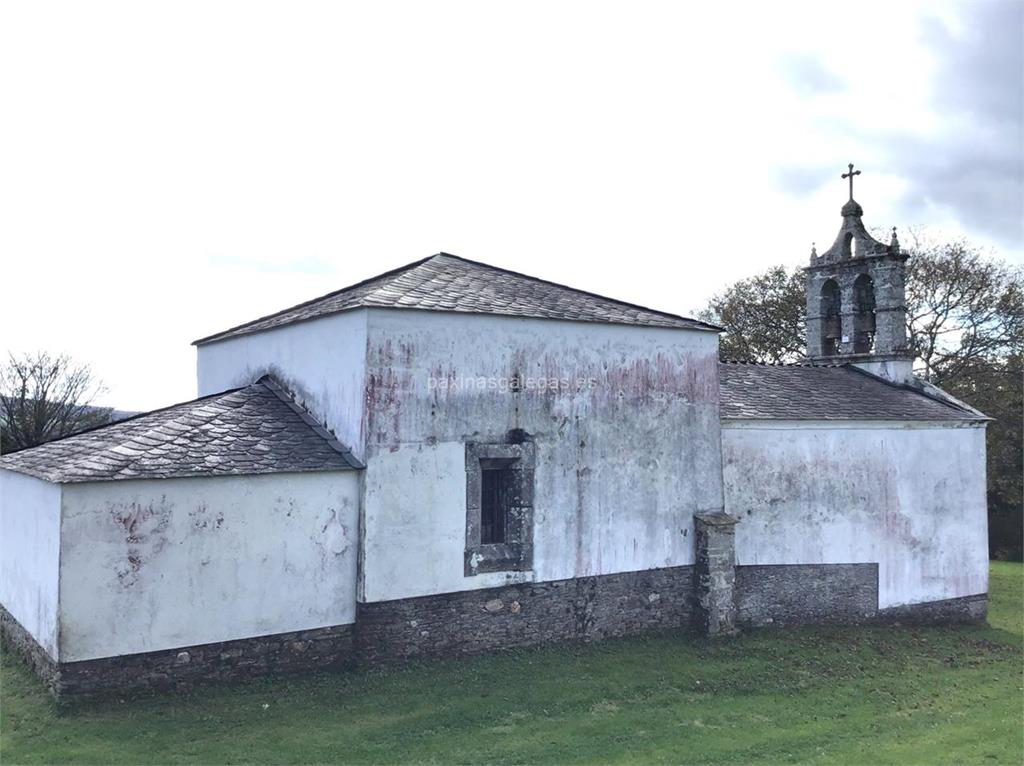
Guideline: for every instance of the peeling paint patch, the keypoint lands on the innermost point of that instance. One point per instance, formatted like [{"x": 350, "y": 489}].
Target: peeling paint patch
[
  {"x": 334, "y": 539},
  {"x": 202, "y": 519},
  {"x": 143, "y": 529},
  {"x": 151, "y": 565}
]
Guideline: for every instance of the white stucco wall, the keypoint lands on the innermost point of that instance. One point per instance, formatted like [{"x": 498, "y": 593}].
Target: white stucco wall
[
  {"x": 29, "y": 554},
  {"x": 910, "y": 497},
  {"x": 323, "y": 362},
  {"x": 622, "y": 465},
  {"x": 158, "y": 564}
]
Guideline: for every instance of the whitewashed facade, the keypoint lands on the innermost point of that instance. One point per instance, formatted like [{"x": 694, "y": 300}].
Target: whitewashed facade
[
  {"x": 148, "y": 565},
  {"x": 451, "y": 458},
  {"x": 601, "y": 505},
  {"x": 908, "y": 496},
  {"x": 30, "y": 511}
]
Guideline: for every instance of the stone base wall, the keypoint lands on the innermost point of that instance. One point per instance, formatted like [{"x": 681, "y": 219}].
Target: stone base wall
[
  {"x": 835, "y": 594},
  {"x": 181, "y": 668},
  {"x": 950, "y": 610},
  {"x": 184, "y": 667},
  {"x": 471, "y": 622},
  {"x": 16, "y": 638},
  {"x": 806, "y": 594}
]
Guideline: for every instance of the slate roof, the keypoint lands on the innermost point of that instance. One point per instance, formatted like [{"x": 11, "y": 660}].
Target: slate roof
[
  {"x": 257, "y": 429},
  {"x": 88, "y": 409},
  {"x": 446, "y": 282},
  {"x": 838, "y": 392}
]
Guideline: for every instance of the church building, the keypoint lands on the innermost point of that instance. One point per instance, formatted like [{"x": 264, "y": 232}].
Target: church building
[{"x": 454, "y": 458}]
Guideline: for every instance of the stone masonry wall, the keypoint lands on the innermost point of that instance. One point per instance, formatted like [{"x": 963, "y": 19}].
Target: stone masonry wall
[
  {"x": 16, "y": 638},
  {"x": 181, "y": 668},
  {"x": 471, "y": 622},
  {"x": 299, "y": 651},
  {"x": 835, "y": 594},
  {"x": 964, "y": 609},
  {"x": 806, "y": 594}
]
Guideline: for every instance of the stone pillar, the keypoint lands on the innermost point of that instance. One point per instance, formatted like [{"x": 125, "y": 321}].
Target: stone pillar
[
  {"x": 813, "y": 318},
  {"x": 715, "y": 573},
  {"x": 848, "y": 313}
]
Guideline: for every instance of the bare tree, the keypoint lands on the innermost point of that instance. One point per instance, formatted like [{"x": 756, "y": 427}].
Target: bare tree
[
  {"x": 44, "y": 397},
  {"x": 963, "y": 309}
]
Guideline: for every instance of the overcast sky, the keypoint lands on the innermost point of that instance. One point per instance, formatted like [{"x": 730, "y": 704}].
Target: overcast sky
[{"x": 168, "y": 170}]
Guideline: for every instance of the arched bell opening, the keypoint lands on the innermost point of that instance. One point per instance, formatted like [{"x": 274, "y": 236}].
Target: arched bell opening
[
  {"x": 864, "y": 315},
  {"x": 831, "y": 318}
]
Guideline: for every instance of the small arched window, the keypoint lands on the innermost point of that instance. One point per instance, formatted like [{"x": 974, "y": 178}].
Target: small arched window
[
  {"x": 864, "y": 314},
  {"x": 831, "y": 318}
]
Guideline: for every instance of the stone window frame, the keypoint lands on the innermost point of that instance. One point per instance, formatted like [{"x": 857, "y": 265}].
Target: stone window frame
[{"x": 516, "y": 553}]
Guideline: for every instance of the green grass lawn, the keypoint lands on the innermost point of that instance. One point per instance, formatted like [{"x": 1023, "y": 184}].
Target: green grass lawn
[{"x": 849, "y": 695}]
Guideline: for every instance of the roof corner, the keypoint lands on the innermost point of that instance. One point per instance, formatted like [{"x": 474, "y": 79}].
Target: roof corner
[{"x": 269, "y": 382}]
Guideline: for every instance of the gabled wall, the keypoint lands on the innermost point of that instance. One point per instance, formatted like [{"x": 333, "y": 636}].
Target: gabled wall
[
  {"x": 29, "y": 554},
  {"x": 322, "y": 362},
  {"x": 907, "y": 496},
  {"x": 149, "y": 565},
  {"x": 622, "y": 461}
]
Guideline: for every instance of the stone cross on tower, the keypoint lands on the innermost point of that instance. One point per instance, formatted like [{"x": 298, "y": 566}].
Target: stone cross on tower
[
  {"x": 856, "y": 303},
  {"x": 850, "y": 175}
]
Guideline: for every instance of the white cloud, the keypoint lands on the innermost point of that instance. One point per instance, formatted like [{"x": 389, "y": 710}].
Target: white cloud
[{"x": 171, "y": 170}]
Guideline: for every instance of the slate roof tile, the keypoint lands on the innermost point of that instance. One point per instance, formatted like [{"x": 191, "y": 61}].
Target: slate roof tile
[
  {"x": 252, "y": 430},
  {"x": 838, "y": 392},
  {"x": 448, "y": 283}
]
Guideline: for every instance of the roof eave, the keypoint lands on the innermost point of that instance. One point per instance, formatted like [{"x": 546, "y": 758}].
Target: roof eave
[
  {"x": 28, "y": 472},
  {"x": 241, "y": 329},
  {"x": 693, "y": 324},
  {"x": 923, "y": 389},
  {"x": 942, "y": 422},
  {"x": 66, "y": 480}
]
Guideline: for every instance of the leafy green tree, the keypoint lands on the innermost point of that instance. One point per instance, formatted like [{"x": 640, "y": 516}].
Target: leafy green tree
[
  {"x": 965, "y": 322},
  {"x": 763, "y": 317},
  {"x": 996, "y": 387}
]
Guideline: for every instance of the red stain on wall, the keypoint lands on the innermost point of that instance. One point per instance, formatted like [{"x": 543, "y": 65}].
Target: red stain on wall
[{"x": 143, "y": 528}]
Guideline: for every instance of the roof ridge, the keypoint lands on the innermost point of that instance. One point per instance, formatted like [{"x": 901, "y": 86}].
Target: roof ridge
[{"x": 288, "y": 398}]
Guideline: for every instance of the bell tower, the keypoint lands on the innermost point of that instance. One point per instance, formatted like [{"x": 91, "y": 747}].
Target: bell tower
[{"x": 856, "y": 300}]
